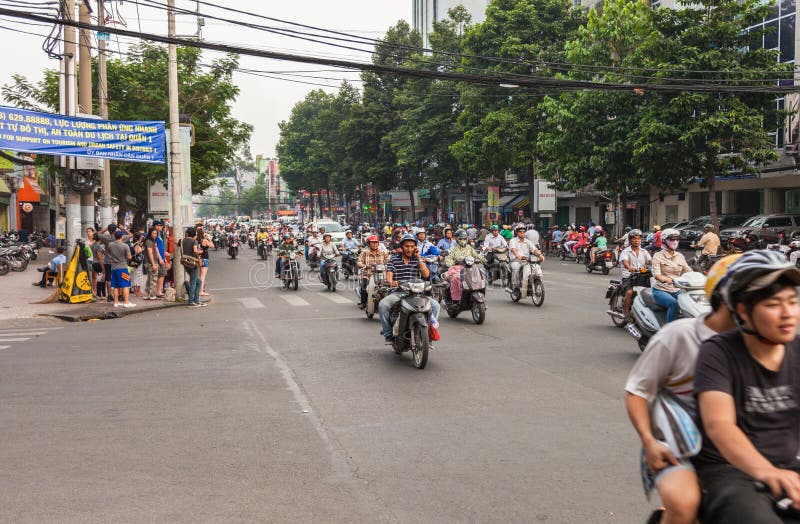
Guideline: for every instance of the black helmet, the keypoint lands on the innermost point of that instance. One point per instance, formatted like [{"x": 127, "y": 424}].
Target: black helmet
[{"x": 460, "y": 234}]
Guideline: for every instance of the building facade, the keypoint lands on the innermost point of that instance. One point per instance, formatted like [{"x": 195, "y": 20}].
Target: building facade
[{"x": 426, "y": 12}]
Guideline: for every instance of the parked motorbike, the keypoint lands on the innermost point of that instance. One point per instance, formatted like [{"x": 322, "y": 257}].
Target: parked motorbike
[
  {"x": 529, "y": 282},
  {"x": 233, "y": 247},
  {"x": 500, "y": 267},
  {"x": 377, "y": 289},
  {"x": 15, "y": 258},
  {"x": 349, "y": 258},
  {"x": 411, "y": 318},
  {"x": 473, "y": 292},
  {"x": 330, "y": 273},
  {"x": 290, "y": 275},
  {"x": 603, "y": 261},
  {"x": 649, "y": 317}
]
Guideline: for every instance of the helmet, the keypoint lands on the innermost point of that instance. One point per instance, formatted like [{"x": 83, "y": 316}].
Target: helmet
[
  {"x": 669, "y": 232},
  {"x": 583, "y": 228},
  {"x": 420, "y": 230},
  {"x": 627, "y": 228},
  {"x": 718, "y": 273},
  {"x": 520, "y": 227},
  {"x": 634, "y": 233},
  {"x": 495, "y": 227},
  {"x": 430, "y": 226},
  {"x": 373, "y": 238},
  {"x": 406, "y": 238},
  {"x": 326, "y": 235},
  {"x": 708, "y": 227},
  {"x": 753, "y": 271},
  {"x": 287, "y": 236},
  {"x": 656, "y": 228},
  {"x": 598, "y": 229},
  {"x": 461, "y": 234}
]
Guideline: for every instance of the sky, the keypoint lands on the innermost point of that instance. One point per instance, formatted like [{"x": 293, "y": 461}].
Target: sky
[{"x": 262, "y": 102}]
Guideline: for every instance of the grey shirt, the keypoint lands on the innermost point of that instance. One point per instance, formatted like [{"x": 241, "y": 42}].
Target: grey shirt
[{"x": 117, "y": 254}]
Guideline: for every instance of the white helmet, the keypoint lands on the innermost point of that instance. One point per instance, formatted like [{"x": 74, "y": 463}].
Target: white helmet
[{"x": 670, "y": 232}]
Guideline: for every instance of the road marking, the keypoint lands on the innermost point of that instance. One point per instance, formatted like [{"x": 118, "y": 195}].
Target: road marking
[
  {"x": 14, "y": 330},
  {"x": 333, "y": 297},
  {"x": 3, "y": 339},
  {"x": 294, "y": 300},
  {"x": 4, "y": 347},
  {"x": 27, "y": 333},
  {"x": 251, "y": 303}
]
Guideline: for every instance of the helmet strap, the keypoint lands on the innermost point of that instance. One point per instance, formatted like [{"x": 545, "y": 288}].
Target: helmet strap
[{"x": 752, "y": 332}]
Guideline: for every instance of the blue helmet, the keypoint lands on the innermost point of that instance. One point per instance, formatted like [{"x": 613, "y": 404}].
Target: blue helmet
[{"x": 407, "y": 238}]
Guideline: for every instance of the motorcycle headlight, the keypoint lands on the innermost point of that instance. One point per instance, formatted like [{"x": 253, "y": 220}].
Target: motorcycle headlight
[
  {"x": 416, "y": 287},
  {"x": 469, "y": 260}
]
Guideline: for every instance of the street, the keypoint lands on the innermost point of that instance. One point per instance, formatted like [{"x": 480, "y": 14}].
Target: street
[{"x": 281, "y": 406}]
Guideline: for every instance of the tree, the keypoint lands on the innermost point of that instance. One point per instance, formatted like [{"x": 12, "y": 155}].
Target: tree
[
  {"x": 692, "y": 136},
  {"x": 137, "y": 90}
]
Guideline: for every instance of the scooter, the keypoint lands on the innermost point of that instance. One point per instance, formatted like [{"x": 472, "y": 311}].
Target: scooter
[
  {"x": 565, "y": 253},
  {"x": 251, "y": 240},
  {"x": 649, "y": 317},
  {"x": 410, "y": 318},
  {"x": 377, "y": 289},
  {"x": 530, "y": 282},
  {"x": 330, "y": 273},
  {"x": 616, "y": 296},
  {"x": 264, "y": 248},
  {"x": 603, "y": 261},
  {"x": 500, "y": 267},
  {"x": 233, "y": 247},
  {"x": 290, "y": 275},
  {"x": 349, "y": 258},
  {"x": 473, "y": 292}
]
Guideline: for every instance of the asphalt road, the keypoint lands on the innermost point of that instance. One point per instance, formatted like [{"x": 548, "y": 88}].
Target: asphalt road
[{"x": 282, "y": 406}]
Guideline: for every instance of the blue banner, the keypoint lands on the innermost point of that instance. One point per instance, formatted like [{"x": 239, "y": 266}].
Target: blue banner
[{"x": 49, "y": 134}]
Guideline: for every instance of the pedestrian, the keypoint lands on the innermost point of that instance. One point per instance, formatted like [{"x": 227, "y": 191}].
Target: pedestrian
[
  {"x": 137, "y": 257},
  {"x": 151, "y": 264},
  {"x": 118, "y": 255},
  {"x": 162, "y": 257},
  {"x": 204, "y": 242},
  {"x": 97, "y": 261},
  {"x": 189, "y": 247}
]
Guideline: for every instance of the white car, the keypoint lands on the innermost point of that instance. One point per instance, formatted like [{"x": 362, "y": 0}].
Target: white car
[{"x": 334, "y": 228}]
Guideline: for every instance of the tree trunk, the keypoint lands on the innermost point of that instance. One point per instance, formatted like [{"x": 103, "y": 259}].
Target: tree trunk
[
  {"x": 411, "y": 197},
  {"x": 712, "y": 196},
  {"x": 532, "y": 189},
  {"x": 618, "y": 226},
  {"x": 328, "y": 200},
  {"x": 468, "y": 204}
]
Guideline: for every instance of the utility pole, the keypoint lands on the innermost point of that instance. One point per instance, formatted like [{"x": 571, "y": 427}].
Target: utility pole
[
  {"x": 175, "y": 152},
  {"x": 72, "y": 198},
  {"x": 102, "y": 88},
  {"x": 85, "y": 94}
]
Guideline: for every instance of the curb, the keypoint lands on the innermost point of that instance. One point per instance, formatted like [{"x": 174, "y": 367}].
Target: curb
[{"x": 87, "y": 314}]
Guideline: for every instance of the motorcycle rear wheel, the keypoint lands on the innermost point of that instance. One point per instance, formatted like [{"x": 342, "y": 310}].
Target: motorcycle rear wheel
[
  {"x": 605, "y": 269},
  {"x": 478, "y": 312},
  {"x": 420, "y": 346},
  {"x": 617, "y": 304},
  {"x": 23, "y": 265},
  {"x": 537, "y": 297},
  {"x": 4, "y": 267},
  {"x": 295, "y": 283},
  {"x": 589, "y": 269},
  {"x": 452, "y": 312}
]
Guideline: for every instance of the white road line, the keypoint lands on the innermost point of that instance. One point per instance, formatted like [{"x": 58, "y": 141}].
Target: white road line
[
  {"x": 294, "y": 300},
  {"x": 251, "y": 303},
  {"x": 4, "y": 347},
  {"x": 27, "y": 333},
  {"x": 3, "y": 339},
  {"x": 14, "y": 330},
  {"x": 333, "y": 297}
]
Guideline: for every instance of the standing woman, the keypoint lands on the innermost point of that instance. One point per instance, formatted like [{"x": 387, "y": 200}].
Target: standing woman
[
  {"x": 97, "y": 258},
  {"x": 205, "y": 243},
  {"x": 137, "y": 277}
]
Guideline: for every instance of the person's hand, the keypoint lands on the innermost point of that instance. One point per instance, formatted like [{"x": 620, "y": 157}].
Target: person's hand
[
  {"x": 782, "y": 481},
  {"x": 658, "y": 456}
]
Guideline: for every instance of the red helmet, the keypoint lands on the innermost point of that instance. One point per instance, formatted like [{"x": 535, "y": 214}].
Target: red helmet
[
  {"x": 583, "y": 228},
  {"x": 373, "y": 238}
]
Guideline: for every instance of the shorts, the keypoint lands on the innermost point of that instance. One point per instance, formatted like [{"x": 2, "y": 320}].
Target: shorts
[
  {"x": 205, "y": 262},
  {"x": 96, "y": 267},
  {"x": 120, "y": 278},
  {"x": 162, "y": 270}
]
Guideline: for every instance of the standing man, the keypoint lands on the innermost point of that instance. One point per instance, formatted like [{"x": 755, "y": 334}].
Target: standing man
[
  {"x": 191, "y": 248},
  {"x": 117, "y": 255}
]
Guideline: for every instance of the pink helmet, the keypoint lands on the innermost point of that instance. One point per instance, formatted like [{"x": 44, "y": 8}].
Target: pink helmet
[{"x": 598, "y": 229}]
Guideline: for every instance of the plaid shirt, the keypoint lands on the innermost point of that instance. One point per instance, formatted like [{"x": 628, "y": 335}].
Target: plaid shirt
[{"x": 366, "y": 259}]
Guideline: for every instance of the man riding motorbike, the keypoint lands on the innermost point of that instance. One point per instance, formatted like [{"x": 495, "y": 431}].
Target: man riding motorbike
[
  {"x": 521, "y": 248},
  {"x": 402, "y": 267},
  {"x": 447, "y": 243},
  {"x": 493, "y": 241},
  {"x": 350, "y": 242},
  {"x": 633, "y": 259},
  {"x": 288, "y": 244},
  {"x": 427, "y": 249},
  {"x": 460, "y": 251},
  {"x": 326, "y": 248},
  {"x": 312, "y": 247},
  {"x": 367, "y": 259}
]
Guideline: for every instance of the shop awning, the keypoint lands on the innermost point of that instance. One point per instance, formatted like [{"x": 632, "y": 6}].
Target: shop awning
[
  {"x": 506, "y": 199},
  {"x": 525, "y": 202},
  {"x": 4, "y": 190},
  {"x": 29, "y": 191}
]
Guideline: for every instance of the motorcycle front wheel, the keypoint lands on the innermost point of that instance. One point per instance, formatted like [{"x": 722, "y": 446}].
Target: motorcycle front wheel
[
  {"x": 605, "y": 269},
  {"x": 23, "y": 264},
  {"x": 419, "y": 347},
  {"x": 537, "y": 297},
  {"x": 478, "y": 312},
  {"x": 4, "y": 267},
  {"x": 295, "y": 283}
]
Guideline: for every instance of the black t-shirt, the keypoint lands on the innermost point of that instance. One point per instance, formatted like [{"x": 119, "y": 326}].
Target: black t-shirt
[
  {"x": 188, "y": 246},
  {"x": 767, "y": 402}
]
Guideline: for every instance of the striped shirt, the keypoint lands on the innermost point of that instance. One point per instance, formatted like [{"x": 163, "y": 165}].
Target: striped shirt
[{"x": 402, "y": 272}]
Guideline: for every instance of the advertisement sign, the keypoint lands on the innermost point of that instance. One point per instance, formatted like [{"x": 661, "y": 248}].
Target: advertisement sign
[
  {"x": 402, "y": 198},
  {"x": 493, "y": 197},
  {"x": 545, "y": 197},
  {"x": 50, "y": 134},
  {"x": 158, "y": 201}
]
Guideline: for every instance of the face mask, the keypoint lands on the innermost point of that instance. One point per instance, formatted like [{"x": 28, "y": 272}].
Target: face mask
[
  {"x": 462, "y": 242},
  {"x": 672, "y": 244}
]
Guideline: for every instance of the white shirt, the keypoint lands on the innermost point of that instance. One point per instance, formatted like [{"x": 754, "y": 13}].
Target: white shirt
[
  {"x": 524, "y": 247},
  {"x": 636, "y": 262},
  {"x": 533, "y": 236},
  {"x": 492, "y": 242}
]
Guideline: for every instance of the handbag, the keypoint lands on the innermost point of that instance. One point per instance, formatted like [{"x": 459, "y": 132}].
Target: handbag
[{"x": 189, "y": 262}]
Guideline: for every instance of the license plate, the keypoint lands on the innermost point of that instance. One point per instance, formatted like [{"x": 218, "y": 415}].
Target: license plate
[
  {"x": 609, "y": 264},
  {"x": 634, "y": 331}
]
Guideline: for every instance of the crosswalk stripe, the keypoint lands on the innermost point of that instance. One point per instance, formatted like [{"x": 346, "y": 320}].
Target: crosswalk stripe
[
  {"x": 3, "y": 339},
  {"x": 294, "y": 300},
  {"x": 251, "y": 303},
  {"x": 14, "y": 330},
  {"x": 333, "y": 297}
]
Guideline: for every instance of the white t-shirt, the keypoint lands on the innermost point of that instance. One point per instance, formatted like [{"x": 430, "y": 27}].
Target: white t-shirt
[
  {"x": 492, "y": 242},
  {"x": 637, "y": 262},
  {"x": 524, "y": 247},
  {"x": 533, "y": 236},
  {"x": 668, "y": 361}
]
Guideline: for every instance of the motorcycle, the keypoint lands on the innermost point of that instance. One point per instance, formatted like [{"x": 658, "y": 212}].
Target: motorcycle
[
  {"x": 500, "y": 267},
  {"x": 649, "y": 317},
  {"x": 264, "y": 248},
  {"x": 603, "y": 261},
  {"x": 701, "y": 263},
  {"x": 616, "y": 296},
  {"x": 410, "y": 318},
  {"x": 14, "y": 258},
  {"x": 530, "y": 282},
  {"x": 233, "y": 247},
  {"x": 473, "y": 292},
  {"x": 290, "y": 275},
  {"x": 251, "y": 240},
  {"x": 330, "y": 273},
  {"x": 377, "y": 289},
  {"x": 349, "y": 258},
  {"x": 565, "y": 253}
]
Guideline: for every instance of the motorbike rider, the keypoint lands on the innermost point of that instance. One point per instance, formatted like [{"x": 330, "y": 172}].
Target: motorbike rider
[
  {"x": 460, "y": 251},
  {"x": 427, "y": 249},
  {"x": 312, "y": 246},
  {"x": 447, "y": 242},
  {"x": 668, "y": 365},
  {"x": 583, "y": 239},
  {"x": 572, "y": 238},
  {"x": 521, "y": 248},
  {"x": 668, "y": 264},
  {"x": 402, "y": 267},
  {"x": 709, "y": 242},
  {"x": 633, "y": 259},
  {"x": 747, "y": 383},
  {"x": 351, "y": 243},
  {"x": 326, "y": 248},
  {"x": 598, "y": 243},
  {"x": 288, "y": 244},
  {"x": 367, "y": 259},
  {"x": 494, "y": 240},
  {"x": 657, "y": 242}
]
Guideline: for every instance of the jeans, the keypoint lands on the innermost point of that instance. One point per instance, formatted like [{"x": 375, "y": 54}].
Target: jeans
[
  {"x": 729, "y": 496},
  {"x": 386, "y": 306},
  {"x": 669, "y": 300},
  {"x": 363, "y": 283},
  {"x": 194, "y": 285}
]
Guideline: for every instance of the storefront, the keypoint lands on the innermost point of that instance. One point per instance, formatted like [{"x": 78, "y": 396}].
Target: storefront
[
  {"x": 30, "y": 214},
  {"x": 5, "y": 196}
]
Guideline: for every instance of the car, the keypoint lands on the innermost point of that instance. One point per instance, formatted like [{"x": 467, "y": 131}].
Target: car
[
  {"x": 692, "y": 231},
  {"x": 763, "y": 228},
  {"x": 334, "y": 228}
]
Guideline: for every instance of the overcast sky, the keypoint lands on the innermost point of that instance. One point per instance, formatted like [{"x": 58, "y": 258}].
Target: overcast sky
[{"x": 263, "y": 102}]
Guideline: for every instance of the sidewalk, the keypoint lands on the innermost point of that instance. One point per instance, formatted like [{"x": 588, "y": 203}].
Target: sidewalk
[{"x": 17, "y": 295}]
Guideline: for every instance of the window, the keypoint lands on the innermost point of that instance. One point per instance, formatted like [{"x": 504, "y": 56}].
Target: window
[{"x": 779, "y": 222}]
